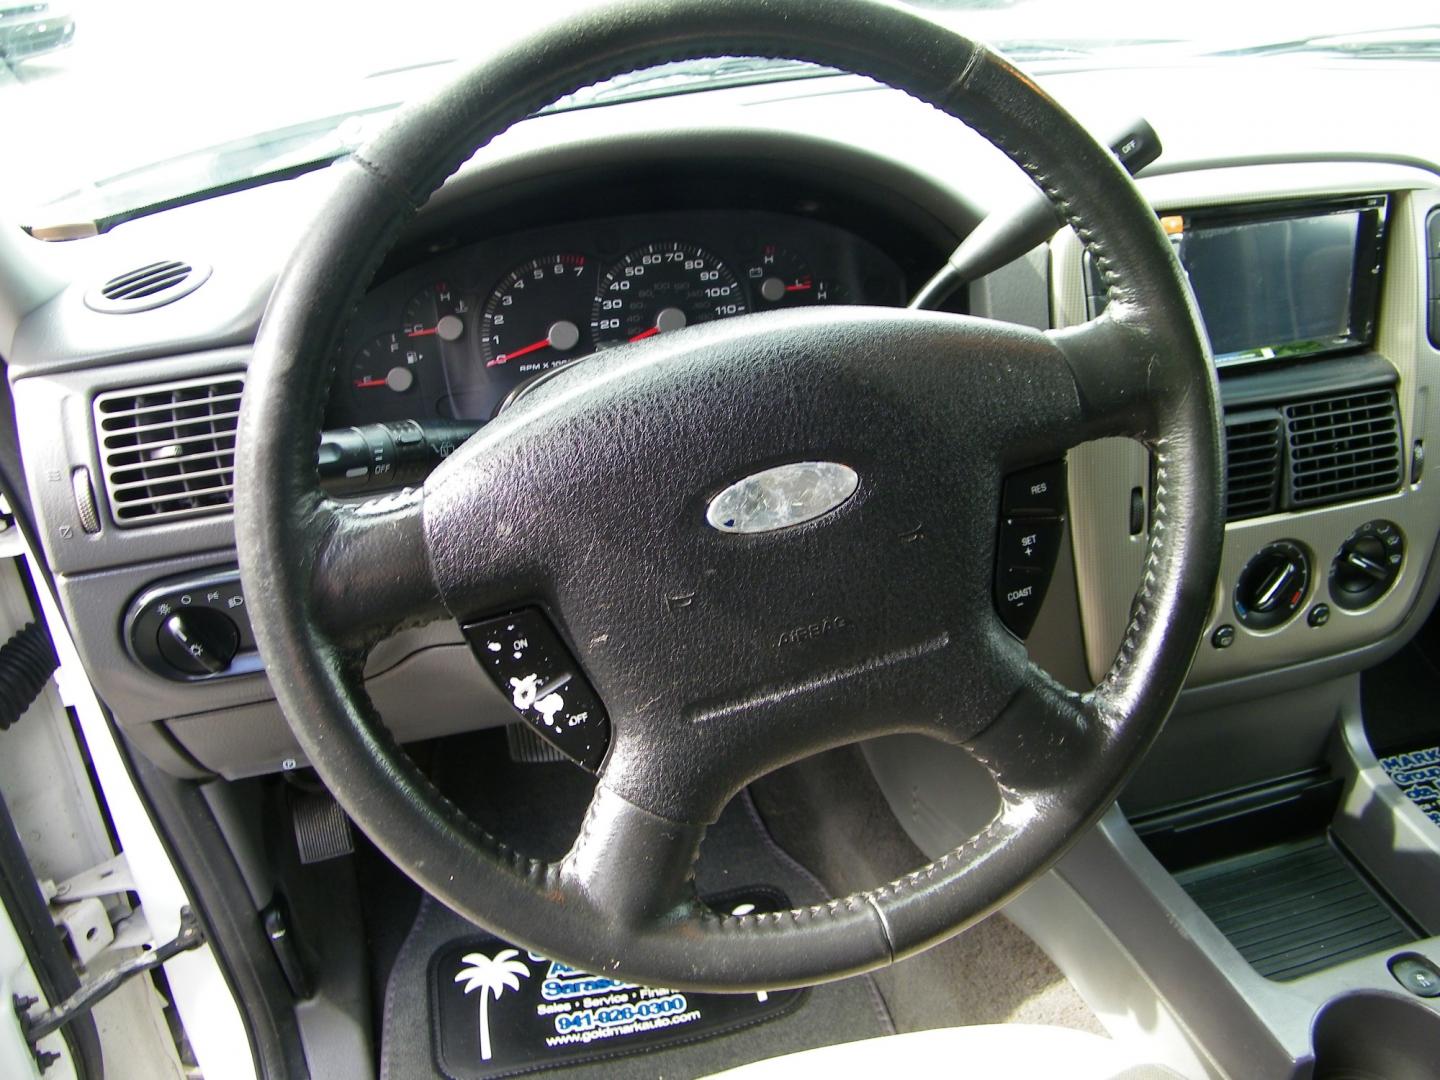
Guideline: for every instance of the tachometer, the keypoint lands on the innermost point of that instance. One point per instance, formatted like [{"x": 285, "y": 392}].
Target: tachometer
[
  {"x": 535, "y": 318},
  {"x": 659, "y": 288}
]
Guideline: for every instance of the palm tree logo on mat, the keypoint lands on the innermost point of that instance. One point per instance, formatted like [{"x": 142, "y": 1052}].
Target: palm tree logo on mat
[{"x": 491, "y": 978}]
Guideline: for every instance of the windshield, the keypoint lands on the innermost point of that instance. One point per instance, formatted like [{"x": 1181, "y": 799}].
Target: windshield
[{"x": 111, "y": 106}]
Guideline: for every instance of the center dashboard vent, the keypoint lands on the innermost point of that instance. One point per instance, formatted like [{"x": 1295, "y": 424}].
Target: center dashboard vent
[
  {"x": 1343, "y": 447},
  {"x": 1254, "y": 456},
  {"x": 167, "y": 451},
  {"x": 1312, "y": 452},
  {"x": 147, "y": 287}
]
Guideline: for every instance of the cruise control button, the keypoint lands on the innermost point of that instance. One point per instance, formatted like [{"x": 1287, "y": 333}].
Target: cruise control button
[
  {"x": 1018, "y": 594},
  {"x": 524, "y": 657},
  {"x": 1040, "y": 490},
  {"x": 1031, "y": 543}
]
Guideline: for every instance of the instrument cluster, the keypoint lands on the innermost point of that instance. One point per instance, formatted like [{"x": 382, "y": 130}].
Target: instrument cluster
[{"x": 454, "y": 336}]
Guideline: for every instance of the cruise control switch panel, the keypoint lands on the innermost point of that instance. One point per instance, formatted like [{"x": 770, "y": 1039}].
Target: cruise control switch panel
[
  {"x": 1032, "y": 522},
  {"x": 524, "y": 656},
  {"x": 193, "y": 628}
]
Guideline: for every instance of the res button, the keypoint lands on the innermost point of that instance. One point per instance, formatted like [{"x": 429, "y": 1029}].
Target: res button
[{"x": 1040, "y": 490}]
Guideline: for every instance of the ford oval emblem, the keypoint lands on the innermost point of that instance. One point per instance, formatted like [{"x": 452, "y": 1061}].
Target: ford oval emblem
[{"x": 781, "y": 497}]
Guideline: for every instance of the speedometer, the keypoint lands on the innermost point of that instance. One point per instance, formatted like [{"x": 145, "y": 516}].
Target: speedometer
[{"x": 659, "y": 288}]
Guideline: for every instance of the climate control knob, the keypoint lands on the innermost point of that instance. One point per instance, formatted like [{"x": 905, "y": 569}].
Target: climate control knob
[
  {"x": 1367, "y": 564},
  {"x": 1272, "y": 586}
]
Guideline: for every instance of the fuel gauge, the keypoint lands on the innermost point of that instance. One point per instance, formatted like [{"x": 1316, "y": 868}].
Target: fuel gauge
[{"x": 388, "y": 373}]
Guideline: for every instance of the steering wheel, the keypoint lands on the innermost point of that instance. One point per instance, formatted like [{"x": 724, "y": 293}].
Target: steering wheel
[{"x": 589, "y": 500}]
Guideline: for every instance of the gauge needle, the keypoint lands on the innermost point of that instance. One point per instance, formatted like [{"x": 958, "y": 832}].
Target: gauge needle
[
  {"x": 450, "y": 327},
  {"x": 534, "y": 346},
  {"x": 365, "y": 384},
  {"x": 799, "y": 286},
  {"x": 667, "y": 320}
]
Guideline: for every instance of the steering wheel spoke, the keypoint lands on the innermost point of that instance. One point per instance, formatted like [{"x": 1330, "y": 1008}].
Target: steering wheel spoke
[
  {"x": 371, "y": 572},
  {"x": 632, "y": 867},
  {"x": 1042, "y": 739},
  {"x": 1119, "y": 375}
]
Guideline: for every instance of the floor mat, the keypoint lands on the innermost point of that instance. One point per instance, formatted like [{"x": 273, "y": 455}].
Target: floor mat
[
  {"x": 1417, "y": 774},
  {"x": 738, "y": 856},
  {"x": 555, "y": 1015}
]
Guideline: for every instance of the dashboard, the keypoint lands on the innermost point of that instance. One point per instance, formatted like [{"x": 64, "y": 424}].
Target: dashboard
[
  {"x": 1303, "y": 200},
  {"x": 453, "y": 336},
  {"x": 722, "y": 205}
]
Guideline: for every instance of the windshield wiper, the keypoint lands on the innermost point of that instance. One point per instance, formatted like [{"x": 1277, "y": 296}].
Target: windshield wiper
[{"x": 1418, "y": 42}]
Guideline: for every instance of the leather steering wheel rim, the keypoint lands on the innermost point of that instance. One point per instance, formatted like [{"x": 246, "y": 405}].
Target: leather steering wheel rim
[{"x": 983, "y": 398}]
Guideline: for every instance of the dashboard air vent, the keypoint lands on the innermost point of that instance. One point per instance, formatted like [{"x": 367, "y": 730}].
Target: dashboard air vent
[
  {"x": 147, "y": 287},
  {"x": 168, "y": 451},
  {"x": 1344, "y": 447},
  {"x": 1252, "y": 464}
]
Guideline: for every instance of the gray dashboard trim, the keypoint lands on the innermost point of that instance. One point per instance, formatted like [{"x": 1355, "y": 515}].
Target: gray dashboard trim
[
  {"x": 944, "y": 170},
  {"x": 64, "y": 335},
  {"x": 436, "y": 690},
  {"x": 1108, "y": 565},
  {"x": 53, "y": 451}
]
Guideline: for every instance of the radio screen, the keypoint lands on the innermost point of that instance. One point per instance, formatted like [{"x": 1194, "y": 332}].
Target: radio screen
[{"x": 1284, "y": 286}]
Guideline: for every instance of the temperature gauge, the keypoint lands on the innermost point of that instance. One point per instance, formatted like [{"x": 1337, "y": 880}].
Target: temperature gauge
[{"x": 436, "y": 311}]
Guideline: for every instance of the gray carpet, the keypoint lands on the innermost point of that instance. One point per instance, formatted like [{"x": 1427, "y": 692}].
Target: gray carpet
[{"x": 831, "y": 815}]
